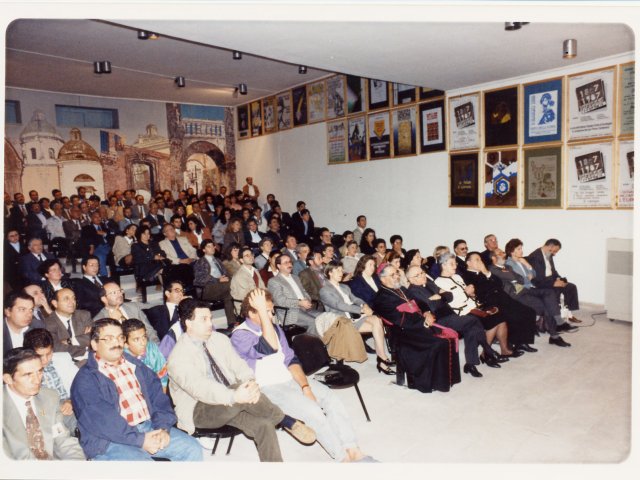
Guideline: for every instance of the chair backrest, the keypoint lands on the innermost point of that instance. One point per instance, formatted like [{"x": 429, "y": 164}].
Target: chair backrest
[{"x": 311, "y": 352}]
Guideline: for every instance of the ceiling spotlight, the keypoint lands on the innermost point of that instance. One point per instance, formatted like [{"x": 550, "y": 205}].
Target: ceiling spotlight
[
  {"x": 242, "y": 88},
  {"x": 145, "y": 35},
  {"x": 106, "y": 66},
  {"x": 302, "y": 69},
  {"x": 510, "y": 26},
  {"x": 569, "y": 48},
  {"x": 97, "y": 67},
  {"x": 180, "y": 82},
  {"x": 237, "y": 55}
]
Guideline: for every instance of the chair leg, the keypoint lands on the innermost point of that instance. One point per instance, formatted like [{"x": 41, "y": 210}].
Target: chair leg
[
  {"x": 230, "y": 444},
  {"x": 366, "y": 414},
  {"x": 215, "y": 445}
]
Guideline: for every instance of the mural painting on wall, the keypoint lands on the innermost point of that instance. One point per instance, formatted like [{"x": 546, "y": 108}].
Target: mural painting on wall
[{"x": 192, "y": 154}]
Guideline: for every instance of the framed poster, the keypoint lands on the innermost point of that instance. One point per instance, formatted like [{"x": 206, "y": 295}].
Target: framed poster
[
  {"x": 432, "y": 126},
  {"x": 356, "y": 94},
  {"x": 464, "y": 131},
  {"x": 463, "y": 177},
  {"x": 543, "y": 177},
  {"x": 256, "y": 118},
  {"x": 337, "y": 141},
  {"x": 299, "y": 96},
  {"x": 357, "y": 140},
  {"x": 270, "y": 109},
  {"x": 543, "y": 111},
  {"x": 335, "y": 97},
  {"x": 425, "y": 93},
  {"x": 284, "y": 110},
  {"x": 625, "y": 175},
  {"x": 627, "y": 98},
  {"x": 501, "y": 179},
  {"x": 378, "y": 94},
  {"x": 590, "y": 176},
  {"x": 403, "y": 94},
  {"x": 501, "y": 117},
  {"x": 591, "y": 104},
  {"x": 243, "y": 121},
  {"x": 379, "y": 135},
  {"x": 315, "y": 102},
  {"x": 405, "y": 130}
]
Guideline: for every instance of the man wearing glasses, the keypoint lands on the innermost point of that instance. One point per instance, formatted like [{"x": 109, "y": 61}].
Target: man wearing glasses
[
  {"x": 121, "y": 409},
  {"x": 112, "y": 297},
  {"x": 461, "y": 249}
]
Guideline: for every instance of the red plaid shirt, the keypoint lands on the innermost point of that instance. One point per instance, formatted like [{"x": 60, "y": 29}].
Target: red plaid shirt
[{"x": 133, "y": 406}]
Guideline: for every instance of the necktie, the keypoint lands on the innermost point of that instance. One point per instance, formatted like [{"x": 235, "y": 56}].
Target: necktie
[
  {"x": 97, "y": 282},
  {"x": 37, "y": 315},
  {"x": 34, "y": 434},
  {"x": 41, "y": 257},
  {"x": 256, "y": 279},
  {"x": 215, "y": 369},
  {"x": 178, "y": 248},
  {"x": 69, "y": 329},
  {"x": 141, "y": 211}
]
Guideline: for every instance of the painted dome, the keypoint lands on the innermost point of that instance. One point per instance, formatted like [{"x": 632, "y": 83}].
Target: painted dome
[
  {"x": 77, "y": 149},
  {"x": 38, "y": 126}
]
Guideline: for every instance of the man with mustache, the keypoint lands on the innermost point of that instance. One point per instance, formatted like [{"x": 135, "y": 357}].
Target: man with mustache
[{"x": 122, "y": 411}]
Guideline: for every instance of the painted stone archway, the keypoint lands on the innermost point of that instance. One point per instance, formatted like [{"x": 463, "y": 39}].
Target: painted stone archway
[{"x": 214, "y": 168}]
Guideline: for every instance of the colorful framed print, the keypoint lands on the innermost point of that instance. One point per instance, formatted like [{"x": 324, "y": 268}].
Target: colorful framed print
[
  {"x": 543, "y": 177},
  {"x": 426, "y": 93},
  {"x": 625, "y": 193},
  {"x": 335, "y": 97},
  {"x": 316, "y": 102},
  {"x": 404, "y": 123},
  {"x": 543, "y": 111},
  {"x": 464, "y": 122},
  {"x": 284, "y": 110},
  {"x": 299, "y": 95},
  {"x": 590, "y": 176},
  {"x": 463, "y": 177},
  {"x": 501, "y": 117},
  {"x": 627, "y": 98},
  {"x": 357, "y": 131},
  {"x": 501, "y": 179},
  {"x": 256, "y": 118},
  {"x": 591, "y": 104},
  {"x": 337, "y": 141},
  {"x": 356, "y": 94},
  {"x": 379, "y": 135},
  {"x": 243, "y": 121},
  {"x": 403, "y": 94},
  {"x": 270, "y": 110},
  {"x": 432, "y": 127},
  {"x": 378, "y": 94}
]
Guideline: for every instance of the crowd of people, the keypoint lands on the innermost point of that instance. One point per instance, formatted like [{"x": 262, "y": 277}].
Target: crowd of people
[{"x": 90, "y": 374}]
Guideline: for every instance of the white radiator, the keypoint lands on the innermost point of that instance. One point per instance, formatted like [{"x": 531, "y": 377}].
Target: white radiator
[{"x": 619, "y": 279}]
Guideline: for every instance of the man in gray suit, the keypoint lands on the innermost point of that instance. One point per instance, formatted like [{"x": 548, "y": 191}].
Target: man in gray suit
[
  {"x": 69, "y": 327},
  {"x": 33, "y": 426},
  {"x": 112, "y": 297},
  {"x": 287, "y": 291}
]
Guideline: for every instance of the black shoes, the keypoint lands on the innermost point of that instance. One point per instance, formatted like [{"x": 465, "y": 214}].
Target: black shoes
[
  {"x": 526, "y": 348},
  {"x": 490, "y": 360},
  {"x": 384, "y": 366},
  {"x": 472, "y": 370},
  {"x": 515, "y": 353},
  {"x": 566, "y": 327},
  {"x": 559, "y": 342}
]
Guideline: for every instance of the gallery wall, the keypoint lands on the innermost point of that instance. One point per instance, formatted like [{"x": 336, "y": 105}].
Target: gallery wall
[{"x": 410, "y": 196}]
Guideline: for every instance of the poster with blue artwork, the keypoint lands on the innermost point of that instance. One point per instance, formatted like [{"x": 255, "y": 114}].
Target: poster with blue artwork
[
  {"x": 501, "y": 179},
  {"x": 543, "y": 111}
]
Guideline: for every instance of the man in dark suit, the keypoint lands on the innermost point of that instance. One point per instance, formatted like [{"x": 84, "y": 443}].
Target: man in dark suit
[
  {"x": 18, "y": 317},
  {"x": 88, "y": 288},
  {"x": 34, "y": 198},
  {"x": 29, "y": 263},
  {"x": 460, "y": 248},
  {"x": 72, "y": 231},
  {"x": 219, "y": 198},
  {"x": 156, "y": 221},
  {"x": 139, "y": 210},
  {"x": 303, "y": 226},
  {"x": 162, "y": 317},
  {"x": 252, "y": 236},
  {"x": 18, "y": 215},
  {"x": 69, "y": 327},
  {"x": 490, "y": 244},
  {"x": 37, "y": 221},
  {"x": 204, "y": 217},
  {"x": 95, "y": 240},
  {"x": 13, "y": 249},
  {"x": 547, "y": 276}
]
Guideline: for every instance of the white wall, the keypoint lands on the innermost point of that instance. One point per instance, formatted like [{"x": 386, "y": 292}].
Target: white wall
[{"x": 409, "y": 196}]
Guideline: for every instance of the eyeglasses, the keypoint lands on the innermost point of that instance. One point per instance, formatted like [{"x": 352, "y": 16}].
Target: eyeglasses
[
  {"x": 115, "y": 292},
  {"x": 111, "y": 338}
]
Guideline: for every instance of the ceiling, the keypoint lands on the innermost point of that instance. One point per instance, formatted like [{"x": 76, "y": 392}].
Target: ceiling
[{"x": 57, "y": 55}]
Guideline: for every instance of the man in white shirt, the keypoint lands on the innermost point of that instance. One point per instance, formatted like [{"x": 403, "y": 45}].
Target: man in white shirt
[
  {"x": 69, "y": 327},
  {"x": 33, "y": 426},
  {"x": 55, "y": 230},
  {"x": 18, "y": 315},
  {"x": 163, "y": 317},
  {"x": 359, "y": 230}
]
